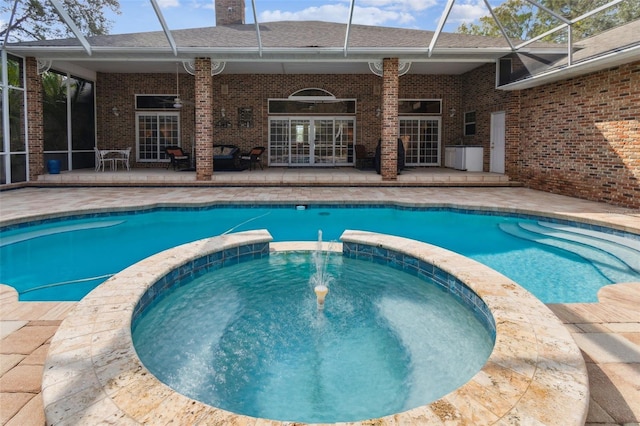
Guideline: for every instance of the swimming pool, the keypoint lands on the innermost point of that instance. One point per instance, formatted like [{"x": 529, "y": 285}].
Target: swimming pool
[{"x": 75, "y": 255}]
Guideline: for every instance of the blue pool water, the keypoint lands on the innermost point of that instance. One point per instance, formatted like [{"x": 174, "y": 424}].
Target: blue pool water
[
  {"x": 252, "y": 341},
  {"x": 84, "y": 251}
]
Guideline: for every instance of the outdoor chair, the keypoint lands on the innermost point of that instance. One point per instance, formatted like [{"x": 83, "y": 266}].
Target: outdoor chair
[
  {"x": 102, "y": 159},
  {"x": 363, "y": 161},
  {"x": 253, "y": 157},
  {"x": 177, "y": 157},
  {"x": 122, "y": 157}
]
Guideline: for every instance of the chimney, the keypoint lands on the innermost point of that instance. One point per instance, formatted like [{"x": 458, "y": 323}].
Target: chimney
[{"x": 229, "y": 12}]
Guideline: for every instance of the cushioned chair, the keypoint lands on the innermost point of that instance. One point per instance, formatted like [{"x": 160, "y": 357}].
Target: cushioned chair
[
  {"x": 253, "y": 157},
  {"x": 378, "y": 157},
  {"x": 363, "y": 161},
  {"x": 177, "y": 157}
]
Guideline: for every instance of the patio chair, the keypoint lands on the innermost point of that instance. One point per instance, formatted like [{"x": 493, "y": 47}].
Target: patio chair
[
  {"x": 253, "y": 157},
  {"x": 363, "y": 161},
  {"x": 177, "y": 157},
  {"x": 102, "y": 160},
  {"x": 122, "y": 157}
]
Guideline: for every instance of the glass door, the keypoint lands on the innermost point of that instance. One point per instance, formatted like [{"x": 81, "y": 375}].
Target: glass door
[
  {"x": 155, "y": 132},
  {"x": 301, "y": 153},
  {"x": 311, "y": 141},
  {"x": 421, "y": 137}
]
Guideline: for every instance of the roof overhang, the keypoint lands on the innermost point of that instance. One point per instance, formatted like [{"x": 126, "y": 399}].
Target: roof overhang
[
  {"x": 600, "y": 63},
  {"x": 264, "y": 61},
  {"x": 428, "y": 56}
]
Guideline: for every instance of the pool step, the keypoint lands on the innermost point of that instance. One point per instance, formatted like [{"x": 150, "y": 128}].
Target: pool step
[
  {"x": 5, "y": 241},
  {"x": 618, "y": 262},
  {"x": 625, "y": 249}
]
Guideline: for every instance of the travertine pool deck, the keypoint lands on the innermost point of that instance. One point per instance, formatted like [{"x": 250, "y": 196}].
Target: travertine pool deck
[{"x": 608, "y": 332}]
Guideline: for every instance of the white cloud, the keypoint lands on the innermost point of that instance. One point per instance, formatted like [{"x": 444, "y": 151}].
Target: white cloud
[
  {"x": 200, "y": 4},
  {"x": 401, "y": 5},
  {"x": 468, "y": 11},
  {"x": 165, "y": 4},
  {"x": 374, "y": 12}
]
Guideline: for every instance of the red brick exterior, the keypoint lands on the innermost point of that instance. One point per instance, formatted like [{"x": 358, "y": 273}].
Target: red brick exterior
[
  {"x": 581, "y": 137},
  {"x": 204, "y": 119},
  {"x": 119, "y": 90},
  {"x": 389, "y": 146},
  {"x": 578, "y": 137},
  {"x": 480, "y": 95},
  {"x": 229, "y": 12},
  {"x": 35, "y": 125}
]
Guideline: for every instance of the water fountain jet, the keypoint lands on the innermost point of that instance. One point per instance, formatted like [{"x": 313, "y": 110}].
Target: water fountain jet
[{"x": 320, "y": 279}]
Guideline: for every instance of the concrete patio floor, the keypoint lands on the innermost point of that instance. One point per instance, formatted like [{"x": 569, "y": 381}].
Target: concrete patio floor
[{"x": 607, "y": 332}]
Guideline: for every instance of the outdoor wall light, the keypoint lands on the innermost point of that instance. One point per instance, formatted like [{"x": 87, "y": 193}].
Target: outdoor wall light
[
  {"x": 115, "y": 111},
  {"x": 452, "y": 112},
  {"x": 378, "y": 112},
  {"x": 222, "y": 112}
]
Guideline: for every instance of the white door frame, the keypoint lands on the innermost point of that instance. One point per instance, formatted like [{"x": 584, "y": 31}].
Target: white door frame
[
  {"x": 309, "y": 142},
  {"x": 497, "y": 142}
]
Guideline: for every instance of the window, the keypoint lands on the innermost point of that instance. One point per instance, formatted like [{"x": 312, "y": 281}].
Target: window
[
  {"x": 154, "y": 132},
  {"x": 312, "y": 101},
  {"x": 505, "y": 68},
  {"x": 419, "y": 106},
  {"x": 155, "y": 101},
  {"x": 470, "y": 123}
]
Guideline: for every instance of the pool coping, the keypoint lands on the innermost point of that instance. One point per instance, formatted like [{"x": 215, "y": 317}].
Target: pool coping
[{"x": 534, "y": 375}]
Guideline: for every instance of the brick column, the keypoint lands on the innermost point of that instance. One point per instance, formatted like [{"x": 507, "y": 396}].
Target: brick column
[
  {"x": 35, "y": 123},
  {"x": 389, "y": 146},
  {"x": 204, "y": 119}
]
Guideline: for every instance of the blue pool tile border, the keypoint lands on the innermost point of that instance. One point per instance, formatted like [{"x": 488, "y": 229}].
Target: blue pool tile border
[
  {"x": 186, "y": 272},
  {"x": 427, "y": 271},
  {"x": 485, "y": 212}
]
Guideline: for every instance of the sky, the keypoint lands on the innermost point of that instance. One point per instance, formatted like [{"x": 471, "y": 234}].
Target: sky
[{"x": 138, "y": 15}]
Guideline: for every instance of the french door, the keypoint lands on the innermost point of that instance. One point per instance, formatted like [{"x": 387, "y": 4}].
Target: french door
[
  {"x": 311, "y": 141},
  {"x": 421, "y": 137},
  {"x": 154, "y": 132}
]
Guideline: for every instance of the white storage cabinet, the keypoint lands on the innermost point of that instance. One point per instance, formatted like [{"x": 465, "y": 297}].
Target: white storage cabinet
[{"x": 467, "y": 158}]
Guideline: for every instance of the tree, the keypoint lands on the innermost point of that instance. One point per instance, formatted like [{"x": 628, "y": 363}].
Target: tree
[
  {"x": 522, "y": 20},
  {"x": 516, "y": 16},
  {"x": 39, "y": 20}
]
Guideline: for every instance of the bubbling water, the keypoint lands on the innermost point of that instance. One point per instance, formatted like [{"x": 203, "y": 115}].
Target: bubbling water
[{"x": 249, "y": 339}]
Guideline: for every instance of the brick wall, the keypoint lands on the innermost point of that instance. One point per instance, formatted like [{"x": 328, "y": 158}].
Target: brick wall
[
  {"x": 34, "y": 119},
  {"x": 203, "y": 119},
  {"x": 389, "y": 145},
  {"x": 119, "y": 90},
  {"x": 578, "y": 137},
  {"x": 252, "y": 91},
  {"x": 581, "y": 137},
  {"x": 480, "y": 95}
]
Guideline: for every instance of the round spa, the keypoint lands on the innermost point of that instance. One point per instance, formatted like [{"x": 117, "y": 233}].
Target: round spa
[
  {"x": 255, "y": 339},
  {"x": 235, "y": 329}
]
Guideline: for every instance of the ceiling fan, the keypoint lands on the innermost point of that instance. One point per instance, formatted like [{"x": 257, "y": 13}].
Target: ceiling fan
[{"x": 177, "y": 102}]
